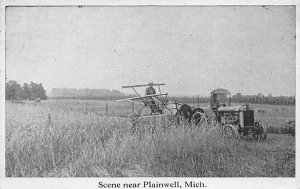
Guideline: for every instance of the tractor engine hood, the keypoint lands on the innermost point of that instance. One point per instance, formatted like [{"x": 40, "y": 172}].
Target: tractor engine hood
[{"x": 240, "y": 108}]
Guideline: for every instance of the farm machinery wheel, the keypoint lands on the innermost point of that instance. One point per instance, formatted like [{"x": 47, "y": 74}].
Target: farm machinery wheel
[
  {"x": 259, "y": 132},
  {"x": 230, "y": 132},
  {"x": 199, "y": 120},
  {"x": 183, "y": 115}
]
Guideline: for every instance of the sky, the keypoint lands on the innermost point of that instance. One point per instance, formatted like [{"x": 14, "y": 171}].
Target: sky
[{"x": 192, "y": 49}]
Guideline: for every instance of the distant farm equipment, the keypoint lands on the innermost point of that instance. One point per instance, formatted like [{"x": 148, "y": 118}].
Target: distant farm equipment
[{"x": 37, "y": 101}]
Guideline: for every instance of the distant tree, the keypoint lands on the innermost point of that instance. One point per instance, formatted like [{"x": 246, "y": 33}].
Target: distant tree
[
  {"x": 42, "y": 92},
  {"x": 37, "y": 91},
  {"x": 13, "y": 90},
  {"x": 34, "y": 90},
  {"x": 26, "y": 91}
]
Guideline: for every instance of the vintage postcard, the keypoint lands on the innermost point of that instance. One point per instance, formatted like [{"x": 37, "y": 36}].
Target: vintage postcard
[{"x": 148, "y": 95}]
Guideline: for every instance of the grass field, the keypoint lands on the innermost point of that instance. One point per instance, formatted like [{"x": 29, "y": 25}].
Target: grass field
[{"x": 63, "y": 138}]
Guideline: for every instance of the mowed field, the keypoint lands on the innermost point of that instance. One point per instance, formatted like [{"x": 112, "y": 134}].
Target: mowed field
[{"x": 83, "y": 138}]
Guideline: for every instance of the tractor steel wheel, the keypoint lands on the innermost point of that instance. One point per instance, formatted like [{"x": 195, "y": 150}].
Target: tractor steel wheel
[
  {"x": 182, "y": 120},
  {"x": 199, "y": 120},
  {"x": 259, "y": 132},
  {"x": 183, "y": 115},
  {"x": 230, "y": 132}
]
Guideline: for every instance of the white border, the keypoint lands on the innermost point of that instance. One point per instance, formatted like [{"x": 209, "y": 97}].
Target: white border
[
  {"x": 244, "y": 183},
  {"x": 144, "y": 2}
]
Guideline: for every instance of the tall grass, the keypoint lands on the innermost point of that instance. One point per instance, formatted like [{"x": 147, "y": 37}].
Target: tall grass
[{"x": 45, "y": 142}]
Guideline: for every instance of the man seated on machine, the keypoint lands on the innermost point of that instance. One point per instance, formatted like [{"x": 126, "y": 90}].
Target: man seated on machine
[{"x": 152, "y": 103}]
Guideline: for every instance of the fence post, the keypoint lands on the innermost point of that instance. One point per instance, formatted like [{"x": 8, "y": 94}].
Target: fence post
[
  {"x": 132, "y": 107},
  {"x": 106, "y": 109},
  {"x": 49, "y": 118},
  {"x": 198, "y": 101}
]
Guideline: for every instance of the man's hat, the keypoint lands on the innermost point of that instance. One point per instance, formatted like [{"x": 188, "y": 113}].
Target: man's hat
[{"x": 151, "y": 83}]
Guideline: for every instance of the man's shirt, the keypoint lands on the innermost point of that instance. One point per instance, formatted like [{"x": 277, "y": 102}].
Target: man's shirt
[{"x": 150, "y": 91}]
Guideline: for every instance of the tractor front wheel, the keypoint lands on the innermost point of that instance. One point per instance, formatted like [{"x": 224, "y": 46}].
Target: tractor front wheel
[{"x": 259, "y": 132}]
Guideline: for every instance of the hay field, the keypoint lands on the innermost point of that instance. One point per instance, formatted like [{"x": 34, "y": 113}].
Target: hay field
[{"x": 59, "y": 138}]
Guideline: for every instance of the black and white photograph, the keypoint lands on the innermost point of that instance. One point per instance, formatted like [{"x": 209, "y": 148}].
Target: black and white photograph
[{"x": 177, "y": 91}]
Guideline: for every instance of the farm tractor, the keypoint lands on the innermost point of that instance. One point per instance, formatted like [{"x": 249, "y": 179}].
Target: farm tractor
[{"x": 235, "y": 121}]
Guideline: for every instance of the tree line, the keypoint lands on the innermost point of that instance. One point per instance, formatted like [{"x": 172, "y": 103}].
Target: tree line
[
  {"x": 97, "y": 94},
  {"x": 276, "y": 100},
  {"x": 253, "y": 99},
  {"x": 14, "y": 91},
  {"x": 31, "y": 91}
]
